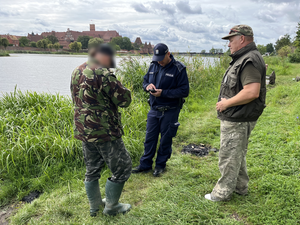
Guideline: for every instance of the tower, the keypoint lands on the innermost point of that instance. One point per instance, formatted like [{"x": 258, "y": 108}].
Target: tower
[{"x": 92, "y": 27}]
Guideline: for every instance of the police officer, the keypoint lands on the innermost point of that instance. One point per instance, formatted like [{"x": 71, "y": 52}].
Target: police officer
[
  {"x": 97, "y": 94},
  {"x": 241, "y": 102},
  {"x": 167, "y": 82}
]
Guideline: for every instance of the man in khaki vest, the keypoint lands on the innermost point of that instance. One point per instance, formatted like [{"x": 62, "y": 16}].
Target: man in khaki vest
[{"x": 241, "y": 102}]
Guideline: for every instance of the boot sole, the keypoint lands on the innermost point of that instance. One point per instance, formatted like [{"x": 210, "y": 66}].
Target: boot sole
[
  {"x": 241, "y": 194},
  {"x": 114, "y": 214}
]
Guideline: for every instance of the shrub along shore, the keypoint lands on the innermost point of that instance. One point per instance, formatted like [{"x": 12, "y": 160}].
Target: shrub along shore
[
  {"x": 38, "y": 152},
  {"x": 4, "y": 53}
]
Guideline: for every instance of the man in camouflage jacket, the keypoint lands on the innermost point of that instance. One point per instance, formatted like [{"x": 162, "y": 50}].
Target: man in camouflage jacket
[{"x": 97, "y": 94}]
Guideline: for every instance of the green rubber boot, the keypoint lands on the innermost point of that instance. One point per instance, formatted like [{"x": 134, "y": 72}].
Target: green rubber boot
[
  {"x": 113, "y": 192},
  {"x": 94, "y": 196}
]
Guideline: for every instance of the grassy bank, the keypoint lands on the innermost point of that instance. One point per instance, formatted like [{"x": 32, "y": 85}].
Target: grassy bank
[
  {"x": 4, "y": 53},
  {"x": 39, "y": 153}
]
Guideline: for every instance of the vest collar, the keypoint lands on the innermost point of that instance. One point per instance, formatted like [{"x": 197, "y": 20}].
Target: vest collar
[{"x": 243, "y": 51}]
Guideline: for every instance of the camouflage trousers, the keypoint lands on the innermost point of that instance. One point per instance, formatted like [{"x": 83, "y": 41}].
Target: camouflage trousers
[
  {"x": 232, "y": 159},
  {"x": 113, "y": 153}
]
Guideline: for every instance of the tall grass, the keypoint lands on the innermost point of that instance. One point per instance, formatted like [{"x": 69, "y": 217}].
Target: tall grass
[
  {"x": 36, "y": 130},
  {"x": 278, "y": 64}
]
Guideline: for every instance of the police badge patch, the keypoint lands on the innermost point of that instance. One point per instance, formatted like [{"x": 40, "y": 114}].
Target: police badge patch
[{"x": 169, "y": 75}]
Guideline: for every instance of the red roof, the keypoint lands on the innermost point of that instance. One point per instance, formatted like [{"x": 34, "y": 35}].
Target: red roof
[{"x": 73, "y": 35}]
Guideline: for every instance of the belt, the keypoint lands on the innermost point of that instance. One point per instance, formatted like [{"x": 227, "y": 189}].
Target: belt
[{"x": 164, "y": 108}]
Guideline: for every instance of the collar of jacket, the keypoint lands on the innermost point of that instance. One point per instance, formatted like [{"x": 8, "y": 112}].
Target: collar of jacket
[{"x": 250, "y": 47}]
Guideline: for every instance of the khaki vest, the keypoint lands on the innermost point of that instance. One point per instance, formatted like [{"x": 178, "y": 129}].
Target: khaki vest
[{"x": 231, "y": 86}]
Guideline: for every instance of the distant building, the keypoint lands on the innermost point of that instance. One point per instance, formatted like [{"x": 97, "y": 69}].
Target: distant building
[
  {"x": 138, "y": 41},
  {"x": 12, "y": 39},
  {"x": 145, "y": 48},
  {"x": 65, "y": 38}
]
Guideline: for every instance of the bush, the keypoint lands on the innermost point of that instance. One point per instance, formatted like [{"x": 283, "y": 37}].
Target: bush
[
  {"x": 278, "y": 64},
  {"x": 3, "y": 53},
  {"x": 284, "y": 51},
  {"x": 33, "y": 44},
  {"x": 295, "y": 57}
]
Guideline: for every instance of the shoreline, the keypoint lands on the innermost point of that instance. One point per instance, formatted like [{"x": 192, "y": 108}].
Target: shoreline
[{"x": 117, "y": 54}]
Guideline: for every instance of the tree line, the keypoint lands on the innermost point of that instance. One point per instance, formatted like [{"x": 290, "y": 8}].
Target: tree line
[
  {"x": 83, "y": 42},
  {"x": 4, "y": 42},
  {"x": 285, "y": 46},
  {"x": 118, "y": 43}
]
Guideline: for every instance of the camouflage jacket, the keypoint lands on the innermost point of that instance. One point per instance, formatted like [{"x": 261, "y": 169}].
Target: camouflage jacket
[{"x": 97, "y": 94}]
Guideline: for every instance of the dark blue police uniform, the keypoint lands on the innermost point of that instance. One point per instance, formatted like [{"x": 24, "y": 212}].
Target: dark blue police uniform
[{"x": 163, "y": 115}]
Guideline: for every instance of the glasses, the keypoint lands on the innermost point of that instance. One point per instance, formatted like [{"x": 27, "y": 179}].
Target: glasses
[{"x": 232, "y": 30}]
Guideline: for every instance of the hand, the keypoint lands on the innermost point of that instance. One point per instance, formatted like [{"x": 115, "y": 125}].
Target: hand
[
  {"x": 150, "y": 86},
  {"x": 222, "y": 105},
  {"x": 157, "y": 93}
]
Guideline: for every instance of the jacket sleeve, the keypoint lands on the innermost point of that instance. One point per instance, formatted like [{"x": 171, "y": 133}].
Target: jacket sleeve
[
  {"x": 146, "y": 79},
  {"x": 118, "y": 94},
  {"x": 73, "y": 83},
  {"x": 182, "y": 89}
]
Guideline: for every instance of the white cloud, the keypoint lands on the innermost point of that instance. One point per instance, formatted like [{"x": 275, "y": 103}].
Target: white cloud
[
  {"x": 185, "y": 7},
  {"x": 182, "y": 24}
]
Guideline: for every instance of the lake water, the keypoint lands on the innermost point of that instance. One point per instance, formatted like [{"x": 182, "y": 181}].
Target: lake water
[{"x": 43, "y": 73}]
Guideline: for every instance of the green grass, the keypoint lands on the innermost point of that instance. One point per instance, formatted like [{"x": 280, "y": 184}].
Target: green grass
[{"x": 39, "y": 153}]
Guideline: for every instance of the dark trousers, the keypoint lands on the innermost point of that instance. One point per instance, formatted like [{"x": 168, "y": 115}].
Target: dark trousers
[{"x": 165, "y": 123}]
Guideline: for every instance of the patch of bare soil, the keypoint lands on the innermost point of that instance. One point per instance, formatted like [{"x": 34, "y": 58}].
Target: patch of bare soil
[
  {"x": 236, "y": 217},
  {"x": 8, "y": 211}
]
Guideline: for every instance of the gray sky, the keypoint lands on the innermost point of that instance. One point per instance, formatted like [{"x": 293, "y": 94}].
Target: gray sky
[{"x": 182, "y": 24}]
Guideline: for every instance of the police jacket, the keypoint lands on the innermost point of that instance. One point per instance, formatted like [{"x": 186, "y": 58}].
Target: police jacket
[
  {"x": 231, "y": 86},
  {"x": 173, "y": 81}
]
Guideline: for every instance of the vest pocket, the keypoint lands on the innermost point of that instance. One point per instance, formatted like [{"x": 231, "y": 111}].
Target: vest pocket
[{"x": 232, "y": 80}]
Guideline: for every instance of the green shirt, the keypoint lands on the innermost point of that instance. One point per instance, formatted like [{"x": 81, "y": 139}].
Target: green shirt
[{"x": 250, "y": 75}]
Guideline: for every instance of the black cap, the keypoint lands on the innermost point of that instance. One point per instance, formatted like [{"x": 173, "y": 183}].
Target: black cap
[
  {"x": 106, "y": 49},
  {"x": 159, "y": 52}
]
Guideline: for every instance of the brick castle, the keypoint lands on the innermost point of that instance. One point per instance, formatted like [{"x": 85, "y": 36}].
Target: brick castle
[{"x": 65, "y": 38}]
